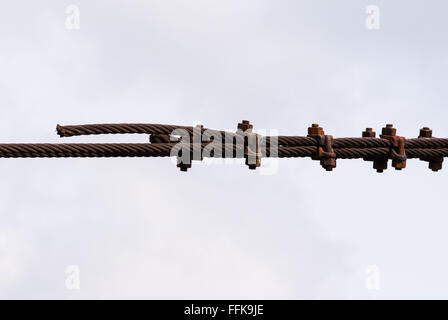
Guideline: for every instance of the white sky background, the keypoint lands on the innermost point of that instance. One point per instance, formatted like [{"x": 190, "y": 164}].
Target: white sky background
[{"x": 139, "y": 228}]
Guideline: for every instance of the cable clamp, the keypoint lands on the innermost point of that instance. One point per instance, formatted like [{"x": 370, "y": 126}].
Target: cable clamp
[
  {"x": 325, "y": 153},
  {"x": 397, "y": 146}
]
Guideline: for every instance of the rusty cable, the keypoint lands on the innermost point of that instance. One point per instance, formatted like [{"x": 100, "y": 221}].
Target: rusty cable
[
  {"x": 316, "y": 145},
  {"x": 128, "y": 128},
  {"x": 96, "y": 150}
]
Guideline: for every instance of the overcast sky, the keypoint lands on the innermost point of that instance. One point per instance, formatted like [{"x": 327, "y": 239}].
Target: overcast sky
[{"x": 139, "y": 228}]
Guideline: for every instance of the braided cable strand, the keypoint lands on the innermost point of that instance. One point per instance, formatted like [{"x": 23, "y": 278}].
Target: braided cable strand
[
  {"x": 427, "y": 143},
  {"x": 92, "y": 150},
  {"x": 297, "y": 141},
  {"x": 130, "y": 128},
  {"x": 85, "y": 150},
  {"x": 121, "y": 128},
  {"x": 106, "y": 150},
  {"x": 291, "y": 141},
  {"x": 427, "y": 153}
]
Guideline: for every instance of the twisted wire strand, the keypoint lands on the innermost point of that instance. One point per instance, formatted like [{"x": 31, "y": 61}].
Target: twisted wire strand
[
  {"x": 355, "y": 153},
  {"x": 130, "y": 128},
  {"x": 291, "y": 152},
  {"x": 427, "y": 143},
  {"x": 360, "y": 143},
  {"x": 293, "y": 141},
  {"x": 120, "y": 128},
  {"x": 85, "y": 150},
  {"x": 100, "y": 150},
  {"x": 297, "y": 141},
  {"x": 427, "y": 153},
  {"x": 88, "y": 150}
]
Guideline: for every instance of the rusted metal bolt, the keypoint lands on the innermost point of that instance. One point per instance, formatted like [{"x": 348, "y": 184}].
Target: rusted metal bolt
[
  {"x": 315, "y": 130},
  {"x": 436, "y": 165},
  {"x": 399, "y": 165},
  {"x": 328, "y": 164},
  {"x": 369, "y": 133},
  {"x": 380, "y": 165},
  {"x": 254, "y": 166},
  {"x": 245, "y": 126},
  {"x": 389, "y": 130},
  {"x": 425, "y": 132},
  {"x": 184, "y": 167}
]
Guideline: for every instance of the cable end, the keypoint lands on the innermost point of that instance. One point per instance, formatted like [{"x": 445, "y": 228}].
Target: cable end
[{"x": 60, "y": 131}]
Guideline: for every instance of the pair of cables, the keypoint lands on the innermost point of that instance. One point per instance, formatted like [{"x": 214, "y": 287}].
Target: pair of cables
[{"x": 174, "y": 140}]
